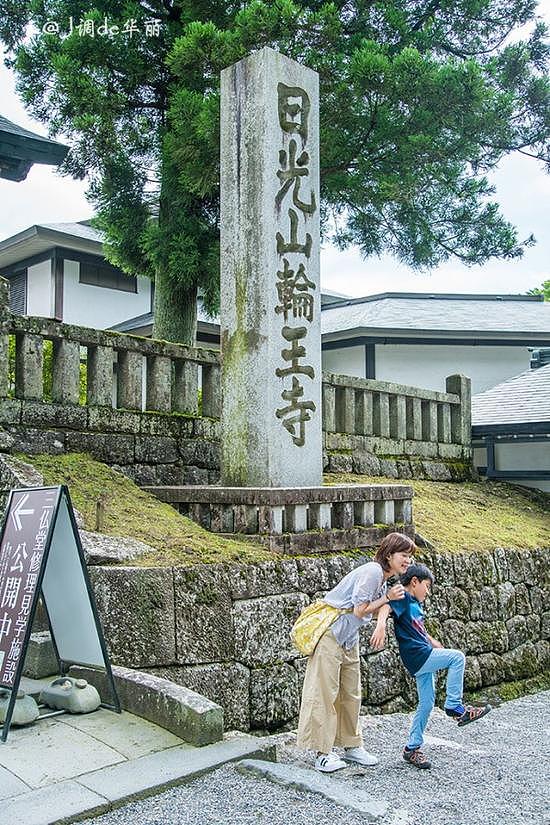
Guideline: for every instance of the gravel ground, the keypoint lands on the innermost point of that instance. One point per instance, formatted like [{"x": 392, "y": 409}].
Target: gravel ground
[{"x": 493, "y": 772}]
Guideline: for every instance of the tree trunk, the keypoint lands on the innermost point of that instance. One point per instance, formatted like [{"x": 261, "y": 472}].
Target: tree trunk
[{"x": 175, "y": 316}]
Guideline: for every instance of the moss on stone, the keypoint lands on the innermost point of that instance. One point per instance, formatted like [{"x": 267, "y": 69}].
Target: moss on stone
[
  {"x": 472, "y": 515},
  {"x": 506, "y": 691},
  {"x": 130, "y": 511}
]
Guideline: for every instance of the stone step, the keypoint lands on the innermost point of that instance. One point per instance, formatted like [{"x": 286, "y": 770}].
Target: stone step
[
  {"x": 311, "y": 781},
  {"x": 183, "y": 712}
]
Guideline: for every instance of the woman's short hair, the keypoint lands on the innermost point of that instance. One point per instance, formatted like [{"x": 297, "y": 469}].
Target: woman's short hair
[
  {"x": 420, "y": 571},
  {"x": 393, "y": 543}
]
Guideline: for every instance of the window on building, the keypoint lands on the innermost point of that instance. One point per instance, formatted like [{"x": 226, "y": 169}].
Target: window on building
[
  {"x": 107, "y": 276},
  {"x": 18, "y": 292}
]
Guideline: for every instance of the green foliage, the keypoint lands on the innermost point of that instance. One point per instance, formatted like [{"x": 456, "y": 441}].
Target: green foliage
[
  {"x": 419, "y": 101},
  {"x": 543, "y": 289}
]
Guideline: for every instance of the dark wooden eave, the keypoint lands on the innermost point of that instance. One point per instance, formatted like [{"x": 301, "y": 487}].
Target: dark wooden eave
[{"x": 19, "y": 149}]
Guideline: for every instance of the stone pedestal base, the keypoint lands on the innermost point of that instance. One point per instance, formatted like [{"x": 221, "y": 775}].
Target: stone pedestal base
[{"x": 298, "y": 519}]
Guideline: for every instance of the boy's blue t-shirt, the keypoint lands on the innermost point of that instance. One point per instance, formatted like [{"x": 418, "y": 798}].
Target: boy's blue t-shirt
[{"x": 408, "y": 623}]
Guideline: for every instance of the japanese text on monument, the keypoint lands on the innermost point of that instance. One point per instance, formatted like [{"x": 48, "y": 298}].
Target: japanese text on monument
[
  {"x": 21, "y": 554},
  {"x": 294, "y": 287}
]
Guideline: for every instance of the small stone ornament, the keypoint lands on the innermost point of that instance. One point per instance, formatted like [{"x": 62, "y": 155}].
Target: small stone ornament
[
  {"x": 72, "y": 695},
  {"x": 25, "y": 709}
]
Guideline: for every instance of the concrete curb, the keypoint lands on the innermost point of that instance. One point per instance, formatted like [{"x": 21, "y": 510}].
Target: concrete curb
[
  {"x": 102, "y": 790},
  {"x": 305, "y": 779}
]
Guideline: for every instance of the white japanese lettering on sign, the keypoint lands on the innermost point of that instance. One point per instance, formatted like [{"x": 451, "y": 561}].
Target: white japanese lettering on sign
[{"x": 21, "y": 555}]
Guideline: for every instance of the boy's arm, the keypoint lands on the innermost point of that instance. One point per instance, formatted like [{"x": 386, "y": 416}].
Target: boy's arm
[
  {"x": 378, "y": 638},
  {"x": 434, "y": 642}
]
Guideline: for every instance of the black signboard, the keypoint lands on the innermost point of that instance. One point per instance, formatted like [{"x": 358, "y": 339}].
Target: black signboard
[{"x": 41, "y": 554}]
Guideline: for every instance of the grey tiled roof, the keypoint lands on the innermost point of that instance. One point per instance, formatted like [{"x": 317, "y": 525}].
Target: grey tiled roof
[
  {"x": 415, "y": 313},
  {"x": 78, "y": 230},
  {"x": 522, "y": 399}
]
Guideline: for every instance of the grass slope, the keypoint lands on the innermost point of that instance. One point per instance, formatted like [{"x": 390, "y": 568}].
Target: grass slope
[
  {"x": 131, "y": 512},
  {"x": 472, "y": 515},
  {"x": 466, "y": 516}
]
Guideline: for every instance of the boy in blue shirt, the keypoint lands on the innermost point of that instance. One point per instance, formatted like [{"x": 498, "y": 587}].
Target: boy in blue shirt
[{"x": 423, "y": 656}]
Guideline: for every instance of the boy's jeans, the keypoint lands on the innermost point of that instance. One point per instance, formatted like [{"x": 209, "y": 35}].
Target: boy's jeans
[{"x": 439, "y": 659}]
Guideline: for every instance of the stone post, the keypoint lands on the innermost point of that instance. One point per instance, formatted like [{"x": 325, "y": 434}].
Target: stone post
[
  {"x": 270, "y": 291},
  {"x": 29, "y": 367},
  {"x": 129, "y": 380},
  {"x": 158, "y": 393},
  {"x": 429, "y": 420},
  {"x": 329, "y": 408},
  {"x": 461, "y": 416},
  {"x": 66, "y": 371},
  {"x": 100, "y": 376},
  {"x": 186, "y": 385},
  {"x": 363, "y": 412},
  {"x": 211, "y": 402},
  {"x": 381, "y": 415}
]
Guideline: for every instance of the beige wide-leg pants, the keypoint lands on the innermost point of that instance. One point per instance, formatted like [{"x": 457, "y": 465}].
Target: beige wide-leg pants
[{"x": 331, "y": 698}]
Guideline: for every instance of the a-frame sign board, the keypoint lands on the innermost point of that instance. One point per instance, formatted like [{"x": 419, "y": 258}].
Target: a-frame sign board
[{"x": 41, "y": 554}]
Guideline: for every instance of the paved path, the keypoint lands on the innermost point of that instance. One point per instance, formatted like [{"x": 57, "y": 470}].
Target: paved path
[
  {"x": 494, "y": 772},
  {"x": 66, "y": 767}
]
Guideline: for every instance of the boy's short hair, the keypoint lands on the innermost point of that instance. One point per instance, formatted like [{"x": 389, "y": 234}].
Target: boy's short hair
[
  {"x": 393, "y": 543},
  {"x": 416, "y": 570}
]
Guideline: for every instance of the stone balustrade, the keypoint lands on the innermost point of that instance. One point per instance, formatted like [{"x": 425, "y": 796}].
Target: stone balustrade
[
  {"x": 298, "y": 519},
  {"x": 164, "y": 377},
  {"x": 366, "y": 407},
  {"x": 135, "y": 402},
  {"x": 124, "y": 372}
]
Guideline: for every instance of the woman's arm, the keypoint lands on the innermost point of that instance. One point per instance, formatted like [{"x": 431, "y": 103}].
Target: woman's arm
[
  {"x": 378, "y": 637},
  {"x": 366, "y": 608}
]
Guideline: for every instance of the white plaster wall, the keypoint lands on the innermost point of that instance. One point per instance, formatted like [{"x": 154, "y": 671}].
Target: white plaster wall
[
  {"x": 522, "y": 456},
  {"x": 40, "y": 299},
  {"x": 427, "y": 365},
  {"x": 348, "y": 361},
  {"x": 537, "y": 484},
  {"x": 98, "y": 307}
]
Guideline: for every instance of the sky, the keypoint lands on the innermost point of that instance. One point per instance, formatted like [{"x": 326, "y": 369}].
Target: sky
[{"x": 522, "y": 190}]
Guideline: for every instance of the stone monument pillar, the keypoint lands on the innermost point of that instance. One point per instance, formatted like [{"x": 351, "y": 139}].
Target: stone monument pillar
[{"x": 270, "y": 289}]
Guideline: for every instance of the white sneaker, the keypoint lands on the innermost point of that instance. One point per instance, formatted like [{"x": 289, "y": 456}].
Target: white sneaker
[
  {"x": 329, "y": 762},
  {"x": 359, "y": 756}
]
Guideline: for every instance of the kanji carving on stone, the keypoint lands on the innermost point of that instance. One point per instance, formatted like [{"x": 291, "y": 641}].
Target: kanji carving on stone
[
  {"x": 293, "y": 291},
  {"x": 293, "y": 102},
  {"x": 296, "y": 351},
  {"x": 296, "y": 413}
]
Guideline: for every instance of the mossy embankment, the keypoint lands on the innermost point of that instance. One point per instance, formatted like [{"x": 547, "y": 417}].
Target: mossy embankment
[
  {"x": 129, "y": 511},
  {"x": 459, "y": 516},
  {"x": 472, "y": 515}
]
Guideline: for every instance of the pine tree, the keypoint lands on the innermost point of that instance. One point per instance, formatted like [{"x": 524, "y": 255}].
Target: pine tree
[{"x": 420, "y": 99}]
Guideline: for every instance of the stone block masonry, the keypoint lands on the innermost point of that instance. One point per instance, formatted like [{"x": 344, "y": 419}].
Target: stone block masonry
[{"x": 222, "y": 630}]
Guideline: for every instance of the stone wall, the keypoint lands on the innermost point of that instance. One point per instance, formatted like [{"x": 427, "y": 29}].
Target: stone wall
[
  {"x": 223, "y": 630},
  {"x": 134, "y": 403},
  {"x": 148, "y": 447}
]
